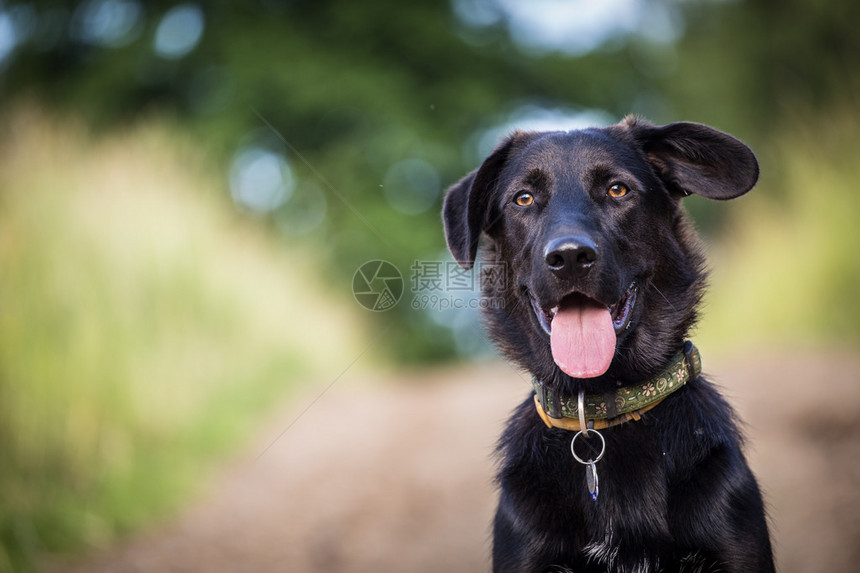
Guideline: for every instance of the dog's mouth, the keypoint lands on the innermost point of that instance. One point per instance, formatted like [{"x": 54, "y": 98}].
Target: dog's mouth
[
  {"x": 583, "y": 331},
  {"x": 620, "y": 312}
]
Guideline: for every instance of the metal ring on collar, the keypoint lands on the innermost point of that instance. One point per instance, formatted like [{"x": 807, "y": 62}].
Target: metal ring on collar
[
  {"x": 580, "y": 408},
  {"x": 599, "y": 456}
]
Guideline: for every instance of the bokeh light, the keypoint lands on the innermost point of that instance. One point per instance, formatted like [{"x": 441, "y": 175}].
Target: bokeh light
[
  {"x": 260, "y": 180},
  {"x": 411, "y": 186},
  {"x": 109, "y": 23},
  {"x": 532, "y": 117},
  {"x": 179, "y": 31},
  {"x": 574, "y": 27},
  {"x": 304, "y": 211}
]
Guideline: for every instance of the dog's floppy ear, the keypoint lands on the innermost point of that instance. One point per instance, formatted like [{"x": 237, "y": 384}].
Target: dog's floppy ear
[
  {"x": 695, "y": 158},
  {"x": 465, "y": 212}
]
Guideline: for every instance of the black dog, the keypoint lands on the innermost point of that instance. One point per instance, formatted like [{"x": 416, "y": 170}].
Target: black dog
[{"x": 603, "y": 276}]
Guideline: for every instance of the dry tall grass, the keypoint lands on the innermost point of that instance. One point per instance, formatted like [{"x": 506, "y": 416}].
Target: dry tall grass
[{"x": 144, "y": 324}]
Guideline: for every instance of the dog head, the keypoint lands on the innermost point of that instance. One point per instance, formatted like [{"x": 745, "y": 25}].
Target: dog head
[{"x": 603, "y": 272}]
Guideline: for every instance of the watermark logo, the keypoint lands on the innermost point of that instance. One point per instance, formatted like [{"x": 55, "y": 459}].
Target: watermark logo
[
  {"x": 377, "y": 285},
  {"x": 436, "y": 285}
]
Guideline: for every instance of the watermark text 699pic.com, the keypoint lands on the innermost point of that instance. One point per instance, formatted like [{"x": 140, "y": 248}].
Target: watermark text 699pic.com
[{"x": 437, "y": 302}]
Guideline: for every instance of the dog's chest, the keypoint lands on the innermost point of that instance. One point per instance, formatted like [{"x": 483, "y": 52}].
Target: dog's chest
[{"x": 632, "y": 500}]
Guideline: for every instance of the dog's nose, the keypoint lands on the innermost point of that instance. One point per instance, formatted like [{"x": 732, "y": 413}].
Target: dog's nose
[{"x": 570, "y": 255}]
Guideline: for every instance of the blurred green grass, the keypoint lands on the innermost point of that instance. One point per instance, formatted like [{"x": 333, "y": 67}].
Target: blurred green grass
[
  {"x": 786, "y": 271},
  {"x": 144, "y": 327}
]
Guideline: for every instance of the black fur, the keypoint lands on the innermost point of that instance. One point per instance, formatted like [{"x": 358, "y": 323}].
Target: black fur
[{"x": 676, "y": 493}]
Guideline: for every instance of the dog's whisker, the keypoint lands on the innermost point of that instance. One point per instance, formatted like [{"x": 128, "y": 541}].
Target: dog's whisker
[{"x": 669, "y": 302}]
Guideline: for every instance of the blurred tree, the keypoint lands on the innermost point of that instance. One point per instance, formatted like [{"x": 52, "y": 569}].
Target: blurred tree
[
  {"x": 346, "y": 90},
  {"x": 754, "y": 65}
]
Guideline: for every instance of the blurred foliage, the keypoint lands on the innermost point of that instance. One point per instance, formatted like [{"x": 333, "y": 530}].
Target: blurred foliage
[
  {"x": 346, "y": 90},
  {"x": 143, "y": 329},
  {"x": 787, "y": 270}
]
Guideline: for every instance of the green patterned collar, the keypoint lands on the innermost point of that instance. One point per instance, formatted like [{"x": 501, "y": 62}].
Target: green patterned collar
[{"x": 625, "y": 403}]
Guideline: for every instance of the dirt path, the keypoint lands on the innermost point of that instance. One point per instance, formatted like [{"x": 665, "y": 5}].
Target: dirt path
[{"x": 398, "y": 478}]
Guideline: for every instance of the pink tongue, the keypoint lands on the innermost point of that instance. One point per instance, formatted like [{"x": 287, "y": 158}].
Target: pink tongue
[{"x": 582, "y": 338}]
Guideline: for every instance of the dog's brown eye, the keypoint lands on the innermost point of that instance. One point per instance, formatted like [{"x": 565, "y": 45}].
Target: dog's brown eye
[
  {"x": 618, "y": 190},
  {"x": 524, "y": 199}
]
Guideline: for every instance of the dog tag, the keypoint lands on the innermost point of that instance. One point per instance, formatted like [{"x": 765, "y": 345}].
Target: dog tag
[
  {"x": 591, "y": 480},
  {"x": 591, "y": 462}
]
